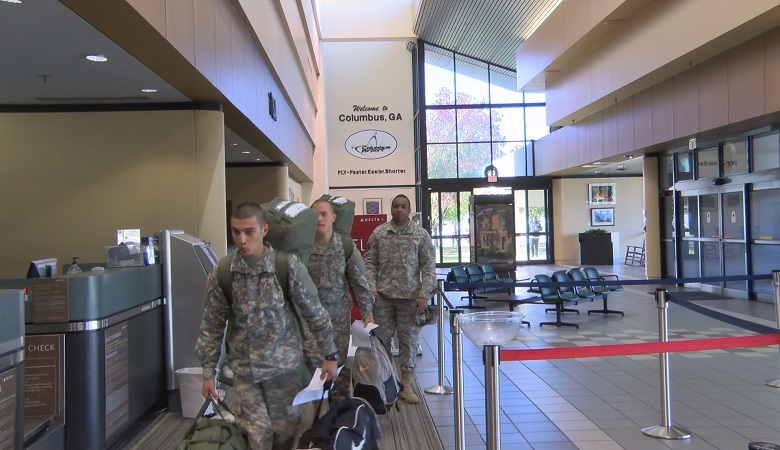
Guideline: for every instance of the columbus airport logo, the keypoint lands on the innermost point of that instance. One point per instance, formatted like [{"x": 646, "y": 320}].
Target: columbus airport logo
[{"x": 371, "y": 144}]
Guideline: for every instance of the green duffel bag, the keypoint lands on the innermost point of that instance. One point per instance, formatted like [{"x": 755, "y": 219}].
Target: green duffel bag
[
  {"x": 344, "y": 210},
  {"x": 212, "y": 433},
  {"x": 291, "y": 227}
]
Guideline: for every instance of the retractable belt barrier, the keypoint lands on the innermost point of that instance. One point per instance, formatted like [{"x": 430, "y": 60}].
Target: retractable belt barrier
[
  {"x": 492, "y": 356},
  {"x": 451, "y": 286}
]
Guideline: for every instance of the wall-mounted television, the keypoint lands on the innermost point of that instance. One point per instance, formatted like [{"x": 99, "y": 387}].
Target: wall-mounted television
[{"x": 43, "y": 268}]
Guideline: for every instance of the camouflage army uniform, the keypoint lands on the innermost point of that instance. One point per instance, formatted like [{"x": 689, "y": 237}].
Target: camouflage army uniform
[
  {"x": 265, "y": 347},
  {"x": 334, "y": 275},
  {"x": 400, "y": 267}
]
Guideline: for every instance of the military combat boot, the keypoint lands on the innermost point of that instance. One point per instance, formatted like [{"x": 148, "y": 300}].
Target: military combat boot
[{"x": 406, "y": 394}]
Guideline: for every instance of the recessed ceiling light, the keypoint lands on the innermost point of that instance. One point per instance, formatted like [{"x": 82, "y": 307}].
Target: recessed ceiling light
[
  {"x": 149, "y": 90},
  {"x": 234, "y": 144},
  {"x": 258, "y": 159},
  {"x": 12, "y": 1},
  {"x": 97, "y": 58},
  {"x": 598, "y": 163},
  {"x": 245, "y": 152},
  {"x": 598, "y": 172}
]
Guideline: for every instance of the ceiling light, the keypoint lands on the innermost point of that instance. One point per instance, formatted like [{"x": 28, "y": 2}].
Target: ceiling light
[
  {"x": 258, "y": 159},
  {"x": 598, "y": 163},
  {"x": 245, "y": 152},
  {"x": 620, "y": 168},
  {"x": 589, "y": 166},
  {"x": 96, "y": 58},
  {"x": 12, "y": 1},
  {"x": 149, "y": 90},
  {"x": 234, "y": 144},
  {"x": 598, "y": 172}
]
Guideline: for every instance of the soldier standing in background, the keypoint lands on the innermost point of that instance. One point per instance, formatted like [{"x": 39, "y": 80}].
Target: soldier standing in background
[
  {"x": 265, "y": 348},
  {"x": 333, "y": 274},
  {"x": 401, "y": 270}
]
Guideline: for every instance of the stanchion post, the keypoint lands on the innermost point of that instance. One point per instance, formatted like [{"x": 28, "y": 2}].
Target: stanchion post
[
  {"x": 776, "y": 286},
  {"x": 492, "y": 405},
  {"x": 457, "y": 380},
  {"x": 441, "y": 388},
  {"x": 665, "y": 430}
]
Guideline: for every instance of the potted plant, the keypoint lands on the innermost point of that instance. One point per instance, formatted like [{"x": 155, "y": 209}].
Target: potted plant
[{"x": 595, "y": 247}]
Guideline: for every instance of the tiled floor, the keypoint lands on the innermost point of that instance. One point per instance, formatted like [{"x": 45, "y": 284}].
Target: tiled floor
[{"x": 603, "y": 403}]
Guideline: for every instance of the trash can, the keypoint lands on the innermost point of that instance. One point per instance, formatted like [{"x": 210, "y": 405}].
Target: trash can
[{"x": 190, "y": 381}]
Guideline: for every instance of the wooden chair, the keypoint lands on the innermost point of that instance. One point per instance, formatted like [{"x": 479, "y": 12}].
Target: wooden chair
[{"x": 635, "y": 255}]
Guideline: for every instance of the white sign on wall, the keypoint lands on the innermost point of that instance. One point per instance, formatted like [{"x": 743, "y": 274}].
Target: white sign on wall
[{"x": 368, "y": 107}]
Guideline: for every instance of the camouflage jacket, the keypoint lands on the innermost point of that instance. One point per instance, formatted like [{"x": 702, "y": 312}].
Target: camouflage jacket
[
  {"x": 401, "y": 264},
  {"x": 265, "y": 341},
  {"x": 334, "y": 275}
]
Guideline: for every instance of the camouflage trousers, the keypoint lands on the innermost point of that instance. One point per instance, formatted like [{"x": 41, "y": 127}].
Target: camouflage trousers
[
  {"x": 398, "y": 315},
  {"x": 265, "y": 412},
  {"x": 340, "y": 321}
]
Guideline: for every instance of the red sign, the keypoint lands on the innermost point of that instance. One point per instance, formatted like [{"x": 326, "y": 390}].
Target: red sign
[{"x": 362, "y": 227}]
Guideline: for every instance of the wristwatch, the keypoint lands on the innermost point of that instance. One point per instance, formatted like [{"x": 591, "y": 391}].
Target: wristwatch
[{"x": 332, "y": 357}]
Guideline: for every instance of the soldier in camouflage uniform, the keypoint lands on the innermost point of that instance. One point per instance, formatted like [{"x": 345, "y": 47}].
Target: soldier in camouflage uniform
[
  {"x": 401, "y": 270},
  {"x": 334, "y": 274},
  {"x": 265, "y": 348}
]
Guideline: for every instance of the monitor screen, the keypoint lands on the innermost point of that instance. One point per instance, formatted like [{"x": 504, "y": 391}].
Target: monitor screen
[{"x": 43, "y": 268}]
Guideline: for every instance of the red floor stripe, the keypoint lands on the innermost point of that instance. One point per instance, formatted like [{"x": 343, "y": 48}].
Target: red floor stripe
[{"x": 594, "y": 351}]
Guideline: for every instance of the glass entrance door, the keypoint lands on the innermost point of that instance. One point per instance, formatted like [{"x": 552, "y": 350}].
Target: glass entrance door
[
  {"x": 532, "y": 226},
  {"x": 450, "y": 226},
  {"x": 721, "y": 216}
]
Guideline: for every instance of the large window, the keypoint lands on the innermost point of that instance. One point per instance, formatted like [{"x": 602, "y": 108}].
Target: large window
[{"x": 474, "y": 117}]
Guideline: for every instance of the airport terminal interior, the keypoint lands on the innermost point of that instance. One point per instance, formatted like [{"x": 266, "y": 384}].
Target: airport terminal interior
[{"x": 534, "y": 138}]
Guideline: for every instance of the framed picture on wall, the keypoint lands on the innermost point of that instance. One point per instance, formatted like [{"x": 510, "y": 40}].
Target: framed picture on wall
[
  {"x": 602, "y": 217},
  {"x": 601, "y": 193},
  {"x": 372, "y": 206}
]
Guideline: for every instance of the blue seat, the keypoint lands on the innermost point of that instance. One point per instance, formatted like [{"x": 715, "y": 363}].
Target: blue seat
[
  {"x": 591, "y": 273},
  {"x": 560, "y": 276},
  {"x": 553, "y": 296},
  {"x": 460, "y": 274}
]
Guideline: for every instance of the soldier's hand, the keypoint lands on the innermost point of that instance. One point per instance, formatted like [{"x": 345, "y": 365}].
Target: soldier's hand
[
  {"x": 329, "y": 370},
  {"x": 209, "y": 389},
  {"x": 366, "y": 321},
  {"x": 420, "y": 304},
  {"x": 376, "y": 297}
]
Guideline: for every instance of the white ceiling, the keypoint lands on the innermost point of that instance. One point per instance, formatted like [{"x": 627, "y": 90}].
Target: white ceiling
[{"x": 43, "y": 45}]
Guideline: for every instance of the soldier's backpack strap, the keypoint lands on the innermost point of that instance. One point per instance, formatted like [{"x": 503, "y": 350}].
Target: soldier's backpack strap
[
  {"x": 348, "y": 245},
  {"x": 225, "y": 278}
]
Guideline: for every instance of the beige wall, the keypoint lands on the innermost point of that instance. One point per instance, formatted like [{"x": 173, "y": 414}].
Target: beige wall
[
  {"x": 257, "y": 184},
  {"x": 70, "y": 180},
  {"x": 572, "y": 214}
]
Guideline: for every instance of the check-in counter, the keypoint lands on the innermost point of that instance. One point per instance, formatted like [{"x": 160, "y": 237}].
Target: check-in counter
[
  {"x": 93, "y": 351},
  {"x": 11, "y": 369}
]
